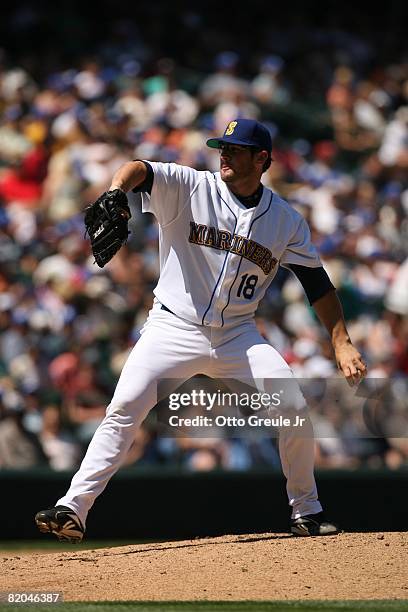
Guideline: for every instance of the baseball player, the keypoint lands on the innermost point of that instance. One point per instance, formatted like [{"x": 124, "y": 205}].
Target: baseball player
[{"x": 223, "y": 236}]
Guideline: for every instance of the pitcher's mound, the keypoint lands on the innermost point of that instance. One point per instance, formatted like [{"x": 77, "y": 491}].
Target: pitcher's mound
[{"x": 252, "y": 567}]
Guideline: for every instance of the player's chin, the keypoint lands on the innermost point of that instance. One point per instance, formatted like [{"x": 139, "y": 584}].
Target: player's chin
[{"x": 227, "y": 174}]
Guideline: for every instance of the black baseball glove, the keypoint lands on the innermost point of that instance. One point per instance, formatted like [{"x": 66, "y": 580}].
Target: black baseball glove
[{"x": 106, "y": 223}]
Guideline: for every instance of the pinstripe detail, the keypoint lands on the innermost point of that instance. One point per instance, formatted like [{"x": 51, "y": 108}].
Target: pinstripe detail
[
  {"x": 240, "y": 261},
  {"x": 226, "y": 256}
]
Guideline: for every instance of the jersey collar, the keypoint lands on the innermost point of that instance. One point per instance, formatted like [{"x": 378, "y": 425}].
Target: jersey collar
[{"x": 228, "y": 196}]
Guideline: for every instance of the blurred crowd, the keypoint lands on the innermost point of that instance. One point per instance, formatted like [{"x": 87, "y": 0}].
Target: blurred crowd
[{"x": 338, "y": 115}]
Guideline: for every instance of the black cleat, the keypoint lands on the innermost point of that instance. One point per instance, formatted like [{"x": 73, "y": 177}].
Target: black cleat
[
  {"x": 62, "y": 522},
  {"x": 313, "y": 525}
]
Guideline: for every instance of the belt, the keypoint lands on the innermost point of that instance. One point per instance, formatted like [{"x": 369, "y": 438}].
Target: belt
[{"x": 163, "y": 307}]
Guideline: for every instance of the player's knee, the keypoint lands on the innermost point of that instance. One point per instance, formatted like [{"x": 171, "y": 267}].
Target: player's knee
[
  {"x": 127, "y": 413},
  {"x": 117, "y": 410}
]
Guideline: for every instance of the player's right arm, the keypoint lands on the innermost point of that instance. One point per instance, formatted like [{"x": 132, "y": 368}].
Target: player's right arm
[
  {"x": 130, "y": 175},
  {"x": 349, "y": 360}
]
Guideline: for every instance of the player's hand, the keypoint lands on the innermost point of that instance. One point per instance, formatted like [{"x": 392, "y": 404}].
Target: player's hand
[
  {"x": 106, "y": 223},
  {"x": 350, "y": 363}
]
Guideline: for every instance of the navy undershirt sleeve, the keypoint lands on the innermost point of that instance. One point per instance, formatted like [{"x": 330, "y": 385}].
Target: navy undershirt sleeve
[
  {"x": 315, "y": 281},
  {"x": 147, "y": 184}
]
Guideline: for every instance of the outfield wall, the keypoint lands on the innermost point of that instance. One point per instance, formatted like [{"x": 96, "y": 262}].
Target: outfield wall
[{"x": 164, "y": 504}]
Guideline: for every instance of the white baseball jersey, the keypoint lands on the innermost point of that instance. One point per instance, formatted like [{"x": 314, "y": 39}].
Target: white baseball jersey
[{"x": 218, "y": 257}]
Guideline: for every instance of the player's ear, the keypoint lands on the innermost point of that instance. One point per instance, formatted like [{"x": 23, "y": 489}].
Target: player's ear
[{"x": 261, "y": 157}]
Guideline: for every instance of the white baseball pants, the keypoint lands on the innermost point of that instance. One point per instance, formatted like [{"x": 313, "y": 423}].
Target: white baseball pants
[{"x": 171, "y": 347}]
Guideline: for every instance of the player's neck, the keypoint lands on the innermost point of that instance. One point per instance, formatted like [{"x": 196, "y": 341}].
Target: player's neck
[
  {"x": 245, "y": 188},
  {"x": 253, "y": 199}
]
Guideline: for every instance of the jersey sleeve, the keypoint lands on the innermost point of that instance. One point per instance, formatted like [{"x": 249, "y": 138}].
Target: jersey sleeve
[
  {"x": 147, "y": 184},
  {"x": 300, "y": 249},
  {"x": 171, "y": 189},
  {"x": 315, "y": 281}
]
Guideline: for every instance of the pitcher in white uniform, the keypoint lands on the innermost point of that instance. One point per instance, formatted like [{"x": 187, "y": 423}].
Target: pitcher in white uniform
[{"x": 223, "y": 236}]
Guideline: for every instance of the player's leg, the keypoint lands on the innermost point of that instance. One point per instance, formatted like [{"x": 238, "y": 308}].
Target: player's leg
[
  {"x": 250, "y": 358},
  {"x": 168, "y": 348}
]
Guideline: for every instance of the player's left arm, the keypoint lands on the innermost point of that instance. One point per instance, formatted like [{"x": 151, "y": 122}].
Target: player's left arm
[{"x": 349, "y": 361}]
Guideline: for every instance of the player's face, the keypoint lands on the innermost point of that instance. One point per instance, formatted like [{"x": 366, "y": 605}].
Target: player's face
[{"x": 237, "y": 162}]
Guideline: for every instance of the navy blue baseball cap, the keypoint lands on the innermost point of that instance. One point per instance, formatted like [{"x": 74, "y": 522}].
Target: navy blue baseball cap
[{"x": 245, "y": 132}]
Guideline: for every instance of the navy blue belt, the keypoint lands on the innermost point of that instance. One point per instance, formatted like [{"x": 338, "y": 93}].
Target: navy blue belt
[{"x": 163, "y": 307}]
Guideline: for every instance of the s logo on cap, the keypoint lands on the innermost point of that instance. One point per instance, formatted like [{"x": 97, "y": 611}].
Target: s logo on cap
[{"x": 230, "y": 129}]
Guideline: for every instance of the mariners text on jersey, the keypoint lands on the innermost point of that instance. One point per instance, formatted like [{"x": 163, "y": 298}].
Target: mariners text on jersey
[{"x": 225, "y": 241}]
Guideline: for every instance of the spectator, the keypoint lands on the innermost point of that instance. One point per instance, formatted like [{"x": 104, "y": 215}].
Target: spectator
[{"x": 60, "y": 448}]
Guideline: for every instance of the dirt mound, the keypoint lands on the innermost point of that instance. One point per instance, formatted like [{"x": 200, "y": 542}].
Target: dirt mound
[{"x": 262, "y": 566}]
